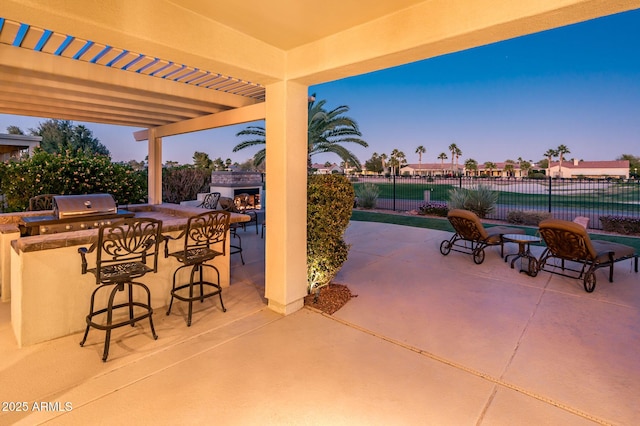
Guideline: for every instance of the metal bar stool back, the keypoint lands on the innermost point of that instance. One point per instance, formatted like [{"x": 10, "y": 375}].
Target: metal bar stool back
[
  {"x": 126, "y": 250},
  {"x": 210, "y": 201},
  {"x": 204, "y": 240}
]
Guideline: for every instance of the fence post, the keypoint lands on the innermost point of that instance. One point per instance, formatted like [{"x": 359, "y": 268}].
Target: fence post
[
  {"x": 549, "y": 194},
  {"x": 460, "y": 181},
  {"x": 394, "y": 192}
]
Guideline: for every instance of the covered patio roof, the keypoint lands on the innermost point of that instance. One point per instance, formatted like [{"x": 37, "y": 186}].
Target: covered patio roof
[
  {"x": 81, "y": 61},
  {"x": 283, "y": 46}
]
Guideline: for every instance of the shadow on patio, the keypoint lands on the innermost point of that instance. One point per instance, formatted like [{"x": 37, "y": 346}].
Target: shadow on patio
[{"x": 429, "y": 340}]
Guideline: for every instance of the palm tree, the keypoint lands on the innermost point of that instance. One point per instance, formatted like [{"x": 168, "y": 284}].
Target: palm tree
[
  {"x": 453, "y": 148},
  {"x": 442, "y": 157},
  {"x": 561, "y": 150},
  {"x": 420, "y": 150},
  {"x": 398, "y": 158},
  {"x": 383, "y": 158},
  {"x": 490, "y": 165},
  {"x": 550, "y": 154},
  {"x": 326, "y": 132},
  {"x": 472, "y": 165},
  {"x": 458, "y": 154},
  {"x": 509, "y": 167}
]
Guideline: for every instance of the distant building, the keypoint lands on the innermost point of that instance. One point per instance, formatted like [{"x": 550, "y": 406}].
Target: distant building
[
  {"x": 500, "y": 170},
  {"x": 13, "y": 146},
  {"x": 590, "y": 169},
  {"x": 321, "y": 169},
  {"x": 428, "y": 169}
]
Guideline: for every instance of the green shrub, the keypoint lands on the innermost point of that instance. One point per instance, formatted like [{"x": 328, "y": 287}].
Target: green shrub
[
  {"x": 480, "y": 199},
  {"x": 537, "y": 175},
  {"x": 184, "y": 183},
  {"x": 367, "y": 195},
  {"x": 329, "y": 203},
  {"x": 66, "y": 174},
  {"x": 527, "y": 217}
]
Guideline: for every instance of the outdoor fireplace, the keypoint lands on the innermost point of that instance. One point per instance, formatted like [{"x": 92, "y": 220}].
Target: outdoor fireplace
[{"x": 230, "y": 184}]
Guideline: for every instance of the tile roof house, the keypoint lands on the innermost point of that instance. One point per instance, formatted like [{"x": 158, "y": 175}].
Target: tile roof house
[
  {"x": 428, "y": 169},
  {"x": 591, "y": 169}
]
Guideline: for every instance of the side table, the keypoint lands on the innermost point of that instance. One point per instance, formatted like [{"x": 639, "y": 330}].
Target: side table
[{"x": 524, "y": 251}]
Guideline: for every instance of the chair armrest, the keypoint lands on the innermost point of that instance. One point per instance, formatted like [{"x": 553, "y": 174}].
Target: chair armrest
[
  {"x": 83, "y": 253},
  {"x": 166, "y": 239}
]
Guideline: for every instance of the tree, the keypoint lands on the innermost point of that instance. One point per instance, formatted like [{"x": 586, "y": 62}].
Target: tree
[
  {"x": 490, "y": 165},
  {"x": 248, "y": 166},
  {"x": 60, "y": 136},
  {"x": 201, "y": 160},
  {"x": 326, "y": 132},
  {"x": 218, "y": 164},
  {"x": 455, "y": 155},
  {"x": 374, "y": 164},
  {"x": 525, "y": 166},
  {"x": 442, "y": 157},
  {"x": 561, "y": 150},
  {"x": 472, "y": 165},
  {"x": 634, "y": 163},
  {"x": 136, "y": 165},
  {"x": 458, "y": 154},
  {"x": 383, "y": 158},
  {"x": 398, "y": 159},
  {"x": 550, "y": 154},
  {"x": 420, "y": 150},
  {"x": 14, "y": 130},
  {"x": 509, "y": 167}
]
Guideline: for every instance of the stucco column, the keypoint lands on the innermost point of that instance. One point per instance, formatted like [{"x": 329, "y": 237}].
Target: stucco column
[
  {"x": 286, "y": 211},
  {"x": 155, "y": 168}
]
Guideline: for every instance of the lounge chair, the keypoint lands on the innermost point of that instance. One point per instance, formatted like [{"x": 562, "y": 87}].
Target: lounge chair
[
  {"x": 472, "y": 237},
  {"x": 569, "y": 241}
]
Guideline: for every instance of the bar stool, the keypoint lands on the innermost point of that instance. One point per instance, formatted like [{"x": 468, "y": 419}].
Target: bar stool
[
  {"x": 229, "y": 205},
  {"x": 210, "y": 201},
  {"x": 126, "y": 250},
  {"x": 204, "y": 240}
]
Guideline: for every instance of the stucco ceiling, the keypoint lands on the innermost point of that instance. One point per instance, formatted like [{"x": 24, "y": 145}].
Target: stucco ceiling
[{"x": 286, "y": 24}]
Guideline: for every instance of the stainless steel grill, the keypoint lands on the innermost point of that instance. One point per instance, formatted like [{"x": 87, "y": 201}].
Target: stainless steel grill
[{"x": 75, "y": 213}]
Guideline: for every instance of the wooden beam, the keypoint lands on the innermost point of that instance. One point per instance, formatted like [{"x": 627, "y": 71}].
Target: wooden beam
[{"x": 226, "y": 118}]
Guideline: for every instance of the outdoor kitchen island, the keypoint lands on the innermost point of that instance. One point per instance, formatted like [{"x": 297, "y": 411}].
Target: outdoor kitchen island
[{"x": 49, "y": 295}]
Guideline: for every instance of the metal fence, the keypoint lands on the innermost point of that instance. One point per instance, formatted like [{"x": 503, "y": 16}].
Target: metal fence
[{"x": 563, "y": 198}]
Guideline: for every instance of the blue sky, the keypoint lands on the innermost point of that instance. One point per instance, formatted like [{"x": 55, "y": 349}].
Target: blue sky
[{"x": 577, "y": 85}]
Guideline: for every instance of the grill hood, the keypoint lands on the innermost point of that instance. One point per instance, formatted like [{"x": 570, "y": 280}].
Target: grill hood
[{"x": 75, "y": 206}]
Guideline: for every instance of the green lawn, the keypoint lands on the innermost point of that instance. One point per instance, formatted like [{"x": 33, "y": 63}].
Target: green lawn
[
  {"x": 442, "y": 224},
  {"x": 621, "y": 198}
]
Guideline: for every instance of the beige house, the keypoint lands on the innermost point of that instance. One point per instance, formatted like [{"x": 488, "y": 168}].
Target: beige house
[
  {"x": 427, "y": 169},
  {"x": 590, "y": 169},
  {"x": 167, "y": 67},
  {"x": 321, "y": 169},
  {"x": 500, "y": 170}
]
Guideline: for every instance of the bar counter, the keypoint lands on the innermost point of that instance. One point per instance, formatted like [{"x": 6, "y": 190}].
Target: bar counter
[{"x": 50, "y": 297}]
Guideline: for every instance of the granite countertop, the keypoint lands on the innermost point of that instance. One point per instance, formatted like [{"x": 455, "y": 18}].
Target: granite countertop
[{"x": 174, "y": 218}]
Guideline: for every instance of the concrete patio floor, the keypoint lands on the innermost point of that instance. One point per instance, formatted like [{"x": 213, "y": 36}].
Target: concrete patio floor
[{"x": 429, "y": 339}]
